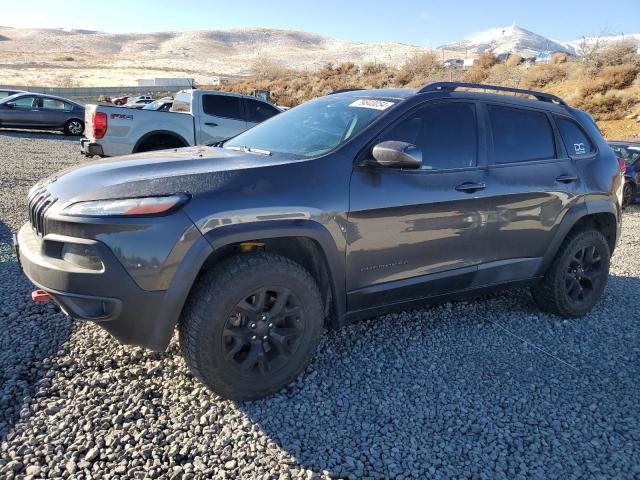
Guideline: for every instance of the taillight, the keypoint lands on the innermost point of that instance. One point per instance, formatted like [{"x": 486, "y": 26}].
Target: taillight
[
  {"x": 623, "y": 165},
  {"x": 99, "y": 124}
]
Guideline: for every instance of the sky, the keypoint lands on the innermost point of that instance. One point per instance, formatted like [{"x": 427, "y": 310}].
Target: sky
[{"x": 427, "y": 23}]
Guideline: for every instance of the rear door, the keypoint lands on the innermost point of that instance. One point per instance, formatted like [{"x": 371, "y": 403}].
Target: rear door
[
  {"x": 55, "y": 112},
  {"x": 258, "y": 111},
  {"x": 221, "y": 117},
  {"x": 531, "y": 181}
]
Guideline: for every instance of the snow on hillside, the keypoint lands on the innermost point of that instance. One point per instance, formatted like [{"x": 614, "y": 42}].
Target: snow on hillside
[
  {"x": 512, "y": 39},
  {"x": 589, "y": 42}
]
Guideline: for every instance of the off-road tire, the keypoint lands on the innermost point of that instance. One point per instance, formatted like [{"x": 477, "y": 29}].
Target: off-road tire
[
  {"x": 211, "y": 304},
  {"x": 551, "y": 294}
]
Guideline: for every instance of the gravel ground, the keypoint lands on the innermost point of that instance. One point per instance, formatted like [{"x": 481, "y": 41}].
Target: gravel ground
[{"x": 483, "y": 389}]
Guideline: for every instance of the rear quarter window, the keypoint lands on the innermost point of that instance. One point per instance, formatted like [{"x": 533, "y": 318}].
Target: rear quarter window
[
  {"x": 520, "y": 135},
  {"x": 574, "y": 138}
]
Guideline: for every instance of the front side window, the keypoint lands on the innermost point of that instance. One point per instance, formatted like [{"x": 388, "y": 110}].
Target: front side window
[
  {"x": 259, "y": 111},
  {"x": 575, "y": 140},
  {"x": 25, "y": 102},
  {"x": 520, "y": 135},
  {"x": 446, "y": 134},
  {"x": 314, "y": 128},
  {"x": 223, "y": 106}
]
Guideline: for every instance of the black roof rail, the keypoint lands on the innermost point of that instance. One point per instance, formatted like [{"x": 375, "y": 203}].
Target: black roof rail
[
  {"x": 342, "y": 90},
  {"x": 451, "y": 86}
]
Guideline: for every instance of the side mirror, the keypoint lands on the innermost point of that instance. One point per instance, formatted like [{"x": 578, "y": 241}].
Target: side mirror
[
  {"x": 9, "y": 105},
  {"x": 394, "y": 154}
]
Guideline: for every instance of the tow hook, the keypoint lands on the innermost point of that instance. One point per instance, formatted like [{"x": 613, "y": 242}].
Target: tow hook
[{"x": 40, "y": 296}]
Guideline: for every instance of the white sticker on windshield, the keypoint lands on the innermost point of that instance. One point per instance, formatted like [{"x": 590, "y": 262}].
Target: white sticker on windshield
[{"x": 369, "y": 103}]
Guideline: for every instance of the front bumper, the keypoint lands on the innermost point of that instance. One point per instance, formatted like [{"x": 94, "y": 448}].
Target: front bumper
[
  {"x": 90, "y": 149},
  {"x": 109, "y": 297}
]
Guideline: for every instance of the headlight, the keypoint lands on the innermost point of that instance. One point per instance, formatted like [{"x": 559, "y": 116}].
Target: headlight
[{"x": 126, "y": 206}]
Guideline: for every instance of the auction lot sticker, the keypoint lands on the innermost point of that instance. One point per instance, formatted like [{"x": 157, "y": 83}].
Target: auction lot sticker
[{"x": 369, "y": 103}]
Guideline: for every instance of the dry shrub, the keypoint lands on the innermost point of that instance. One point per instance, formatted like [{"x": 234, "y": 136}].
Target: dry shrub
[
  {"x": 372, "y": 68},
  {"x": 619, "y": 54},
  {"x": 513, "y": 60},
  {"x": 267, "y": 69},
  {"x": 610, "y": 106},
  {"x": 348, "y": 68},
  {"x": 619, "y": 76},
  {"x": 542, "y": 74},
  {"x": 485, "y": 61},
  {"x": 504, "y": 74},
  {"x": 475, "y": 75},
  {"x": 419, "y": 69},
  {"x": 558, "y": 58},
  {"x": 622, "y": 53},
  {"x": 63, "y": 58},
  {"x": 613, "y": 77}
]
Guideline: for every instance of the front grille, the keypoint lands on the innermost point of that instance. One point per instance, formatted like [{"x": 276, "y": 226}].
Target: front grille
[{"x": 39, "y": 202}]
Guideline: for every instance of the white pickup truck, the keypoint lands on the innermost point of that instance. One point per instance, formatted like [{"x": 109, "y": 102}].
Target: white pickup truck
[{"x": 197, "y": 117}]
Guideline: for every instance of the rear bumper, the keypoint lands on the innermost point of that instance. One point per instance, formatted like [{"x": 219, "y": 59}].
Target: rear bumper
[
  {"x": 110, "y": 297},
  {"x": 89, "y": 149}
]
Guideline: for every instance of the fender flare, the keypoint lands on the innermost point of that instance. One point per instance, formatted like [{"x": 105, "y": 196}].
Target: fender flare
[
  {"x": 168, "y": 133},
  {"x": 570, "y": 219},
  {"x": 269, "y": 229},
  {"x": 192, "y": 263}
]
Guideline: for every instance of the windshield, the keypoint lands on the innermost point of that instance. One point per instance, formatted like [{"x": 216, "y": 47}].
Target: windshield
[
  {"x": 8, "y": 98},
  {"x": 313, "y": 128}
]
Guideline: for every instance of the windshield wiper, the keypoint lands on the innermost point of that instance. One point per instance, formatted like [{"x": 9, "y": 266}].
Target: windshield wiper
[{"x": 244, "y": 148}]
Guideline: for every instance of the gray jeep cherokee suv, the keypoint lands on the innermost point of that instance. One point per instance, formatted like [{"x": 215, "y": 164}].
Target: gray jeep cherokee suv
[{"x": 347, "y": 206}]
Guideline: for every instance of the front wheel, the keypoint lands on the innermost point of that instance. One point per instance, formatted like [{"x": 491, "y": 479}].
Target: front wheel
[
  {"x": 251, "y": 325},
  {"x": 577, "y": 277},
  {"x": 74, "y": 127}
]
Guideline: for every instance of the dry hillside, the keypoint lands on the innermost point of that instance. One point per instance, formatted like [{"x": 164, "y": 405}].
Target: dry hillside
[{"x": 56, "y": 57}]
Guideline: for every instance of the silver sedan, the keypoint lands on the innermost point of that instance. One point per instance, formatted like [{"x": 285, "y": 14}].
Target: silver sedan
[{"x": 41, "y": 112}]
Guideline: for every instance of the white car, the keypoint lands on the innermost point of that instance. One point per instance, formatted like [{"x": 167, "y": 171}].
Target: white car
[
  {"x": 197, "y": 117},
  {"x": 138, "y": 102}
]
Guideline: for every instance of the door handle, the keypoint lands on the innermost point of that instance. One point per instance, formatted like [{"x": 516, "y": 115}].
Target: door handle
[
  {"x": 566, "y": 178},
  {"x": 470, "y": 187},
  {"x": 211, "y": 124}
]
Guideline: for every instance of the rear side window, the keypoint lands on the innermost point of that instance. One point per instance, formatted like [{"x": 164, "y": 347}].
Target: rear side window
[
  {"x": 53, "y": 104},
  {"x": 446, "y": 134},
  {"x": 520, "y": 135},
  {"x": 259, "y": 111},
  {"x": 575, "y": 140},
  {"x": 223, "y": 106}
]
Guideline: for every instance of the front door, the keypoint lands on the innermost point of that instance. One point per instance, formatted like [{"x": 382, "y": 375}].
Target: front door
[
  {"x": 21, "y": 112},
  {"x": 409, "y": 227}
]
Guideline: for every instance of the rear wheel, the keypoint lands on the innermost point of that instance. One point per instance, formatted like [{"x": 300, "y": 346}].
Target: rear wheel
[
  {"x": 251, "y": 325},
  {"x": 159, "y": 142},
  {"x": 74, "y": 127},
  {"x": 577, "y": 277},
  {"x": 628, "y": 194}
]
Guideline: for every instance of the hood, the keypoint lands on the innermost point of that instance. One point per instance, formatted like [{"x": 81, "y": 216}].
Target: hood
[{"x": 185, "y": 170}]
